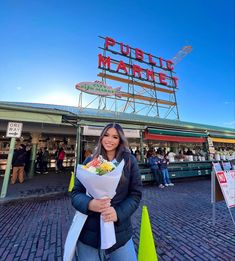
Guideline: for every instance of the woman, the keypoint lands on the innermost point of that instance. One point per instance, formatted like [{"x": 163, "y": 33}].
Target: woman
[
  {"x": 164, "y": 162},
  {"x": 154, "y": 162},
  {"x": 112, "y": 145}
]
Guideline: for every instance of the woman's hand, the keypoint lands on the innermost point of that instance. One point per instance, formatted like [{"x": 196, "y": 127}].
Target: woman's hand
[
  {"x": 109, "y": 214},
  {"x": 99, "y": 205}
]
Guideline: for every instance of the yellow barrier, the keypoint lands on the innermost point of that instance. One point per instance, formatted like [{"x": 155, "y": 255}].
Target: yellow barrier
[
  {"x": 147, "y": 250},
  {"x": 71, "y": 183}
]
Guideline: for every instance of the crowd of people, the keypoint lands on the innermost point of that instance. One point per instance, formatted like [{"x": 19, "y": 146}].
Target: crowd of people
[
  {"x": 158, "y": 162},
  {"x": 43, "y": 158},
  {"x": 21, "y": 162}
]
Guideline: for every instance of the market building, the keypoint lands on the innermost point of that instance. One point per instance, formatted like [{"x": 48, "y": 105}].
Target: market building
[{"x": 78, "y": 129}]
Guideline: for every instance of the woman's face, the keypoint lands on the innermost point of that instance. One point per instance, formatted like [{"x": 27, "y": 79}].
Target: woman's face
[{"x": 110, "y": 140}]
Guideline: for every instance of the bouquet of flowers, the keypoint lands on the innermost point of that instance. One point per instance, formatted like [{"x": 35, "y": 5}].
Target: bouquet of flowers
[
  {"x": 99, "y": 166},
  {"x": 100, "y": 178}
]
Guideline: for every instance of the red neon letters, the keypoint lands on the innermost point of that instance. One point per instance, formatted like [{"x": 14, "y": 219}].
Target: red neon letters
[
  {"x": 138, "y": 71},
  {"x": 139, "y": 54},
  {"x": 109, "y": 41},
  {"x": 104, "y": 61},
  {"x": 125, "y": 52},
  {"x": 122, "y": 66}
]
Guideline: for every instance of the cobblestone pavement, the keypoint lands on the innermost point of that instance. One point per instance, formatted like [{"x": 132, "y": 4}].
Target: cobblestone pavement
[{"x": 181, "y": 219}]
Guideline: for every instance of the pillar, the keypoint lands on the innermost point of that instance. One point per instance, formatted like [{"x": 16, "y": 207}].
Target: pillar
[
  {"x": 8, "y": 168},
  {"x": 78, "y": 147},
  {"x": 141, "y": 146},
  {"x": 35, "y": 140}
]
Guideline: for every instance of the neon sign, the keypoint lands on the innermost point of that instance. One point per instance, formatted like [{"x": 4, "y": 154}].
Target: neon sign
[{"x": 159, "y": 70}]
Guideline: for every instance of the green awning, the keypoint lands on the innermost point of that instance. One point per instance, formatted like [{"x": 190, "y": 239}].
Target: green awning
[
  {"x": 223, "y": 136},
  {"x": 176, "y": 133},
  {"x": 12, "y": 115}
]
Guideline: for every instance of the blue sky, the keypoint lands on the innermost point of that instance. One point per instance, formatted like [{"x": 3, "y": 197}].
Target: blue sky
[{"x": 48, "y": 46}]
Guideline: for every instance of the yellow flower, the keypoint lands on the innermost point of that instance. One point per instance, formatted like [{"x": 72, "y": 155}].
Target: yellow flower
[{"x": 106, "y": 166}]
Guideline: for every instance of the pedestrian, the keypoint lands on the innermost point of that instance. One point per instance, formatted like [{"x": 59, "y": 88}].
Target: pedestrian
[
  {"x": 154, "y": 162},
  {"x": 149, "y": 154},
  {"x": 131, "y": 150},
  {"x": 164, "y": 162},
  {"x": 18, "y": 164},
  {"x": 61, "y": 155},
  {"x": 171, "y": 156},
  {"x": 27, "y": 161},
  {"x": 113, "y": 146},
  {"x": 56, "y": 154},
  {"x": 45, "y": 160},
  {"x": 87, "y": 153},
  {"x": 39, "y": 162},
  {"x": 137, "y": 154}
]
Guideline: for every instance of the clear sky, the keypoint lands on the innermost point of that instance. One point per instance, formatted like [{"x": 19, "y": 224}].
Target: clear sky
[{"x": 47, "y": 46}]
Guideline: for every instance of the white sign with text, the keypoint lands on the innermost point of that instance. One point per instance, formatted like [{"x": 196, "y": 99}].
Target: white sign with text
[
  {"x": 14, "y": 129},
  {"x": 226, "y": 180}
]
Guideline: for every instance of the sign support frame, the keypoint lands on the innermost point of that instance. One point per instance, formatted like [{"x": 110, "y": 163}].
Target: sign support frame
[{"x": 213, "y": 196}]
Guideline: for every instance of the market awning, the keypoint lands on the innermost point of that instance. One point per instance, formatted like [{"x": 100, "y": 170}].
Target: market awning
[
  {"x": 223, "y": 140},
  {"x": 176, "y": 133},
  {"x": 149, "y": 136}
]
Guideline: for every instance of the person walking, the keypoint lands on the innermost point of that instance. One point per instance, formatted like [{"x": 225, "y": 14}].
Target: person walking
[
  {"x": 18, "y": 164},
  {"x": 154, "y": 162},
  {"x": 112, "y": 145}
]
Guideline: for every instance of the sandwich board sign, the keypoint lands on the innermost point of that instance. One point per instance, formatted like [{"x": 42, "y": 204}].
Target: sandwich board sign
[
  {"x": 222, "y": 187},
  {"x": 14, "y": 129},
  {"x": 226, "y": 180}
]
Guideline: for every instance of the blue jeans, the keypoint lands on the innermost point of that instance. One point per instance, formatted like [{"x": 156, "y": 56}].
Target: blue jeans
[
  {"x": 88, "y": 253},
  {"x": 157, "y": 175},
  {"x": 166, "y": 178}
]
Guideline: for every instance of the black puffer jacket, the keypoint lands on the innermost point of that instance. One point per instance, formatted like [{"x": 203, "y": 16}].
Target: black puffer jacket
[
  {"x": 125, "y": 202},
  {"x": 19, "y": 158}
]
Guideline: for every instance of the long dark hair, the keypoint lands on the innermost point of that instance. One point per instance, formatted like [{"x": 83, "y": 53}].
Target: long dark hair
[{"x": 122, "y": 149}]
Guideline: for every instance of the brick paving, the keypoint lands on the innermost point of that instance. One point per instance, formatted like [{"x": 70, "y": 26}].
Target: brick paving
[
  {"x": 39, "y": 186},
  {"x": 181, "y": 218}
]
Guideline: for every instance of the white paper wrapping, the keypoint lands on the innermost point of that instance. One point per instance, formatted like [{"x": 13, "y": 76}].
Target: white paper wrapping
[
  {"x": 73, "y": 234},
  {"x": 98, "y": 187}
]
